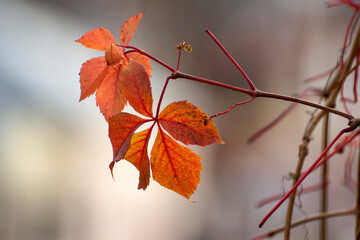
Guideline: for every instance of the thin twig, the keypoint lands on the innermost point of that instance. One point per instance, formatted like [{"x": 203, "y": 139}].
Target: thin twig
[
  {"x": 306, "y": 220},
  {"x": 293, "y": 189}
]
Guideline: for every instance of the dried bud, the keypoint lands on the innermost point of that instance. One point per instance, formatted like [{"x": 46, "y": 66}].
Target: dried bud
[
  {"x": 113, "y": 54},
  {"x": 183, "y": 46}
]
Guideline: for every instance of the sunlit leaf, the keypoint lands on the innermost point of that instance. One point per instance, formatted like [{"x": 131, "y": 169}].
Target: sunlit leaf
[
  {"x": 92, "y": 74},
  {"x": 174, "y": 166},
  {"x": 138, "y": 156},
  {"x": 110, "y": 97},
  {"x": 129, "y": 28},
  {"x": 121, "y": 129},
  {"x": 136, "y": 86},
  {"x": 98, "y": 39},
  {"x": 145, "y": 61},
  {"x": 188, "y": 124}
]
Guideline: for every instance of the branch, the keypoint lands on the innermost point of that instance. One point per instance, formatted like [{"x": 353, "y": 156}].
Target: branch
[
  {"x": 306, "y": 220},
  {"x": 293, "y": 189}
]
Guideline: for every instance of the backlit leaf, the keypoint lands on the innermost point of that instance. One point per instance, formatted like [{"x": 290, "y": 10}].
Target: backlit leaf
[
  {"x": 109, "y": 75},
  {"x": 188, "y": 124},
  {"x": 135, "y": 83},
  {"x": 92, "y": 74},
  {"x": 121, "y": 129},
  {"x": 129, "y": 28},
  {"x": 174, "y": 166},
  {"x": 110, "y": 97},
  {"x": 98, "y": 39},
  {"x": 145, "y": 61},
  {"x": 138, "y": 156}
]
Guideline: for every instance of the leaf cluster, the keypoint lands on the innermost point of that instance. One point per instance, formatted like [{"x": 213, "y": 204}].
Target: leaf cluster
[{"x": 120, "y": 77}]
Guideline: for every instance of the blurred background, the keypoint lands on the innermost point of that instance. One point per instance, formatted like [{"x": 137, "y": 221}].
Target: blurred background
[{"x": 54, "y": 151}]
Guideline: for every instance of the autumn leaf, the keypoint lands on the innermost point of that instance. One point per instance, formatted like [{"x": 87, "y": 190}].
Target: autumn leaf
[
  {"x": 188, "y": 124},
  {"x": 92, "y": 74},
  {"x": 129, "y": 28},
  {"x": 120, "y": 77},
  {"x": 106, "y": 74},
  {"x": 121, "y": 129},
  {"x": 136, "y": 85},
  {"x": 98, "y": 39},
  {"x": 174, "y": 166},
  {"x": 110, "y": 96},
  {"x": 138, "y": 156},
  {"x": 145, "y": 61}
]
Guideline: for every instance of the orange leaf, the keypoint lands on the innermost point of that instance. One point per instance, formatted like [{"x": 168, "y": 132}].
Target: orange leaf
[
  {"x": 121, "y": 128},
  {"x": 145, "y": 61},
  {"x": 92, "y": 74},
  {"x": 188, "y": 124},
  {"x": 97, "y": 39},
  {"x": 110, "y": 97},
  {"x": 129, "y": 28},
  {"x": 110, "y": 75},
  {"x": 138, "y": 156},
  {"x": 135, "y": 83},
  {"x": 174, "y": 166}
]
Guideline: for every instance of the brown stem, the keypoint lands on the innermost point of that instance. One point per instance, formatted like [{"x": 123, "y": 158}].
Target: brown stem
[
  {"x": 324, "y": 179},
  {"x": 331, "y": 90},
  {"x": 357, "y": 206},
  {"x": 303, "y": 152},
  {"x": 258, "y": 93},
  {"x": 320, "y": 216},
  {"x": 304, "y": 102}
]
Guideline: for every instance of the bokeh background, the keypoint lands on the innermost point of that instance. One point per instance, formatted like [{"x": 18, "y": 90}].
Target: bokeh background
[{"x": 54, "y": 151}]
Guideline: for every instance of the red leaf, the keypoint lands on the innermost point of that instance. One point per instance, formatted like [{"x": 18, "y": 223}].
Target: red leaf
[
  {"x": 110, "y": 97},
  {"x": 97, "y": 39},
  {"x": 135, "y": 83},
  {"x": 92, "y": 74},
  {"x": 188, "y": 124},
  {"x": 174, "y": 166},
  {"x": 138, "y": 156},
  {"x": 145, "y": 61},
  {"x": 129, "y": 28},
  {"x": 121, "y": 128}
]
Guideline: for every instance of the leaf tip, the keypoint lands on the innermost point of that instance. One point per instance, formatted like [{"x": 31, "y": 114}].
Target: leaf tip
[{"x": 111, "y": 166}]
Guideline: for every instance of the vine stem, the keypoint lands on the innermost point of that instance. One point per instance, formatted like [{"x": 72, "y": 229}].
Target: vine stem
[
  {"x": 162, "y": 96},
  {"x": 258, "y": 93},
  {"x": 253, "y": 92},
  {"x": 232, "y": 107},
  {"x": 304, "y": 102},
  {"x": 306, "y": 220},
  {"x": 178, "y": 63},
  {"x": 295, "y": 186},
  {"x": 251, "y": 84},
  {"x": 151, "y": 57}
]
